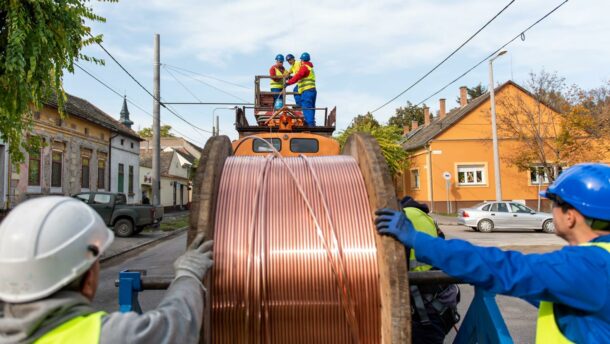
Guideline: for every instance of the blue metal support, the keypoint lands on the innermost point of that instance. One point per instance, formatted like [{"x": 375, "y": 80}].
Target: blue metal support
[
  {"x": 130, "y": 284},
  {"x": 483, "y": 322}
]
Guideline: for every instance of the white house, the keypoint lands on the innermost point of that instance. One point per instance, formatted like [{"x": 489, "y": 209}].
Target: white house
[
  {"x": 125, "y": 159},
  {"x": 175, "y": 175}
]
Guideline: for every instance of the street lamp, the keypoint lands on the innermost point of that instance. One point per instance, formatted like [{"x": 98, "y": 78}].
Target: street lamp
[
  {"x": 215, "y": 127},
  {"x": 494, "y": 129}
]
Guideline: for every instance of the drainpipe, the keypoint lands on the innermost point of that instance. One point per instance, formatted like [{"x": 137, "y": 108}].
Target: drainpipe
[
  {"x": 110, "y": 162},
  {"x": 430, "y": 181}
]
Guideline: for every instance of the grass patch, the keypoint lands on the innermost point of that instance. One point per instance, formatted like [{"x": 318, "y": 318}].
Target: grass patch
[{"x": 174, "y": 223}]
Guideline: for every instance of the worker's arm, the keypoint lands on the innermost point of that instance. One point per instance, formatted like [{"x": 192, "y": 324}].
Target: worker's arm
[
  {"x": 302, "y": 73},
  {"x": 273, "y": 74},
  {"x": 572, "y": 276},
  {"x": 177, "y": 319}
]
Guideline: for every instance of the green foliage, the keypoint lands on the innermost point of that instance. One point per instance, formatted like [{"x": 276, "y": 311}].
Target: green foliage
[
  {"x": 366, "y": 119},
  {"x": 405, "y": 115},
  {"x": 473, "y": 92},
  {"x": 39, "y": 39},
  {"x": 389, "y": 138},
  {"x": 164, "y": 130}
]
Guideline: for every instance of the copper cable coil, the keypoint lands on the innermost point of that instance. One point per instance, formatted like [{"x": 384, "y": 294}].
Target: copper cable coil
[{"x": 280, "y": 278}]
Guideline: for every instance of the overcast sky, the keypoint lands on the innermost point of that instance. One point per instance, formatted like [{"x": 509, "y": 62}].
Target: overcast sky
[{"x": 364, "y": 52}]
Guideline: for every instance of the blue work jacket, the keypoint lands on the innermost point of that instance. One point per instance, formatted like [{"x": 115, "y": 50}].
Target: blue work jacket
[{"x": 575, "y": 278}]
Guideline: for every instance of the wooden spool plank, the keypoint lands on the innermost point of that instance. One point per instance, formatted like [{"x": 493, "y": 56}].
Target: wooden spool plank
[
  {"x": 391, "y": 255},
  {"x": 203, "y": 206}
]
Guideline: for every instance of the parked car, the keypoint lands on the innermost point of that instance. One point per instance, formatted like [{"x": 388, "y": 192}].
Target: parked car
[
  {"x": 487, "y": 216},
  {"x": 126, "y": 219}
]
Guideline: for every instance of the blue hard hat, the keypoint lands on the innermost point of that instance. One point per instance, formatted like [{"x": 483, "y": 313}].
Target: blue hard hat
[
  {"x": 305, "y": 57},
  {"x": 586, "y": 187},
  {"x": 280, "y": 58},
  {"x": 289, "y": 57}
]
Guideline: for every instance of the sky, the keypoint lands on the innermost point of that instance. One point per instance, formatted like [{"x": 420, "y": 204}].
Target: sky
[{"x": 364, "y": 52}]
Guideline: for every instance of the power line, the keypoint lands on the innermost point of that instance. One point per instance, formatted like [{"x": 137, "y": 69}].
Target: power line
[
  {"x": 445, "y": 59},
  {"x": 129, "y": 100},
  {"x": 210, "y": 85},
  {"x": 521, "y": 34},
  {"x": 181, "y": 84},
  {"x": 207, "y": 76}
]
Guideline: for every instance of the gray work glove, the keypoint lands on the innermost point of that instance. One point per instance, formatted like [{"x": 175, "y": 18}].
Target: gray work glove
[{"x": 196, "y": 261}]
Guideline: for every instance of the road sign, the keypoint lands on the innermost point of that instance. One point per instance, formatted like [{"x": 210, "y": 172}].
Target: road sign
[{"x": 447, "y": 175}]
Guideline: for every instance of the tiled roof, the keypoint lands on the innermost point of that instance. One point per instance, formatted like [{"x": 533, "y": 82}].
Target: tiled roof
[
  {"x": 166, "y": 160},
  {"x": 81, "y": 108}
]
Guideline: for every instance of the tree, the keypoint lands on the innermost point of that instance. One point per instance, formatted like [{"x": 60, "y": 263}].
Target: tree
[
  {"x": 553, "y": 130},
  {"x": 38, "y": 41},
  {"x": 389, "y": 138},
  {"x": 164, "y": 130},
  {"x": 406, "y": 115},
  {"x": 474, "y": 92}
]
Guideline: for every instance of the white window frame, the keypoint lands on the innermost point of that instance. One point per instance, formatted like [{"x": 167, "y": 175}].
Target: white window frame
[
  {"x": 414, "y": 182},
  {"x": 474, "y": 168},
  {"x": 536, "y": 181},
  {"x": 57, "y": 189}
]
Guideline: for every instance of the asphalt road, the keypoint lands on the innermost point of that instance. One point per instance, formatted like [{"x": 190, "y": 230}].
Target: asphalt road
[{"x": 519, "y": 316}]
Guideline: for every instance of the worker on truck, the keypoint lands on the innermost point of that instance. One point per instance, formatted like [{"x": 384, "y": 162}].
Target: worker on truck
[
  {"x": 290, "y": 72},
  {"x": 276, "y": 72},
  {"x": 49, "y": 273},
  {"x": 306, "y": 79},
  {"x": 571, "y": 286}
]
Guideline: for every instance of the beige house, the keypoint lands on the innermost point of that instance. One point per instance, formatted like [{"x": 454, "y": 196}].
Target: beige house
[{"x": 175, "y": 178}]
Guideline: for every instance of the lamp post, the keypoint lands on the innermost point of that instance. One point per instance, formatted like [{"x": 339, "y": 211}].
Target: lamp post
[
  {"x": 215, "y": 124},
  {"x": 494, "y": 129}
]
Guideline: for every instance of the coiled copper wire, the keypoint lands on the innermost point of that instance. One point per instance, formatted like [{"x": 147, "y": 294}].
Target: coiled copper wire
[{"x": 295, "y": 257}]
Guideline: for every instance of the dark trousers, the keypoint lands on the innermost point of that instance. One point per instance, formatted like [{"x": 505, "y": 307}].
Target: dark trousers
[{"x": 431, "y": 333}]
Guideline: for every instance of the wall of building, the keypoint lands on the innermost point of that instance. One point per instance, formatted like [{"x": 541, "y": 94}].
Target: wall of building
[
  {"x": 168, "y": 183},
  {"x": 4, "y": 174},
  {"x": 126, "y": 151}
]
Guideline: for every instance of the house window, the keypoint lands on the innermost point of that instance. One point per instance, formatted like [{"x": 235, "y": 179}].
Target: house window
[
  {"x": 85, "y": 172},
  {"x": 122, "y": 142},
  {"x": 102, "y": 136},
  {"x": 101, "y": 174},
  {"x": 537, "y": 175},
  {"x": 56, "y": 168},
  {"x": 121, "y": 178},
  {"x": 132, "y": 145},
  {"x": 415, "y": 179},
  {"x": 130, "y": 182},
  {"x": 87, "y": 131},
  {"x": 34, "y": 169},
  {"x": 471, "y": 174}
]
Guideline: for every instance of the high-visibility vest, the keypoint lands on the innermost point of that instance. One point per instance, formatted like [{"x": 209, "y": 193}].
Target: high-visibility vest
[
  {"x": 308, "y": 82},
  {"x": 422, "y": 222},
  {"x": 294, "y": 68},
  {"x": 83, "y": 329},
  {"x": 547, "y": 331},
  {"x": 277, "y": 84}
]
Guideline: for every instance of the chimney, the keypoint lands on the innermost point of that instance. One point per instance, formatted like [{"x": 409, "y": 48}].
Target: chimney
[
  {"x": 414, "y": 125},
  {"x": 463, "y": 96},
  {"x": 426, "y": 116},
  {"x": 441, "y": 111},
  {"x": 405, "y": 130}
]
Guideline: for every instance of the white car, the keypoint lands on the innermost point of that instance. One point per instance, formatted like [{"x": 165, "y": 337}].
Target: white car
[{"x": 487, "y": 216}]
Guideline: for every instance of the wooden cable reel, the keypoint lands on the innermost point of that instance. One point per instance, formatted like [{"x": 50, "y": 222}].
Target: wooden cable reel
[{"x": 394, "y": 314}]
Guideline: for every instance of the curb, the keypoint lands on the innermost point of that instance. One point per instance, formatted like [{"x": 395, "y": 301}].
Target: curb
[{"x": 164, "y": 237}]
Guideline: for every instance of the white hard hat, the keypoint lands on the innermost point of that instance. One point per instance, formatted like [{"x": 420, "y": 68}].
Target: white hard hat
[{"x": 45, "y": 244}]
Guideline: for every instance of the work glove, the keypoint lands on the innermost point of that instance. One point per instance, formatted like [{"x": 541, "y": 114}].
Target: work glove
[
  {"x": 196, "y": 261},
  {"x": 394, "y": 223}
]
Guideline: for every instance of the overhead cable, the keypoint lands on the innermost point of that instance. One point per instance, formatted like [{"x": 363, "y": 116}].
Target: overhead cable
[
  {"x": 445, "y": 59},
  {"x": 210, "y": 85},
  {"x": 205, "y": 76},
  {"x": 521, "y": 34}
]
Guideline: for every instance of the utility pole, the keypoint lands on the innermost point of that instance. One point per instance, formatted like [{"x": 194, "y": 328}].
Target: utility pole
[
  {"x": 494, "y": 129},
  {"x": 156, "y": 158},
  {"x": 217, "y": 127}
]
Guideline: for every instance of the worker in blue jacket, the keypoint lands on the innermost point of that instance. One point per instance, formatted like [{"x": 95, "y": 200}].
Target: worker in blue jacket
[{"x": 571, "y": 286}]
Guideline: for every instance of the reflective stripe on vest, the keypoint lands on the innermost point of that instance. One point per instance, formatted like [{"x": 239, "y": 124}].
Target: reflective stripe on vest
[
  {"x": 547, "y": 331},
  {"x": 277, "y": 84},
  {"x": 83, "y": 330},
  {"x": 422, "y": 223},
  {"x": 308, "y": 82}
]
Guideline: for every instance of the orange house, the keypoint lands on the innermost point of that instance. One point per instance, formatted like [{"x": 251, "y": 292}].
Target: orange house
[{"x": 451, "y": 164}]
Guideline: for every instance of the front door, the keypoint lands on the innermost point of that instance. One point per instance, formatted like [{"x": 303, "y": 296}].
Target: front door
[
  {"x": 102, "y": 204},
  {"x": 500, "y": 215}
]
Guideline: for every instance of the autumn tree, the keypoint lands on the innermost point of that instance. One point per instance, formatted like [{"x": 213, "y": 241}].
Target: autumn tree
[
  {"x": 554, "y": 130},
  {"x": 405, "y": 115},
  {"x": 389, "y": 138}
]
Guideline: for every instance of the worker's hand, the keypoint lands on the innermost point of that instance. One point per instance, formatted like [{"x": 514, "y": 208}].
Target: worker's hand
[
  {"x": 396, "y": 224},
  {"x": 197, "y": 260}
]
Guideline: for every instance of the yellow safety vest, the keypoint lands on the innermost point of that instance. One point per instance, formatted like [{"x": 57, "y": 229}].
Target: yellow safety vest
[
  {"x": 294, "y": 68},
  {"x": 547, "y": 331},
  {"x": 82, "y": 330},
  {"x": 308, "y": 82},
  {"x": 277, "y": 84},
  {"x": 422, "y": 223}
]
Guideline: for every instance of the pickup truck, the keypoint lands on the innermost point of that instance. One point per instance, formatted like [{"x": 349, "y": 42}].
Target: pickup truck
[{"x": 126, "y": 219}]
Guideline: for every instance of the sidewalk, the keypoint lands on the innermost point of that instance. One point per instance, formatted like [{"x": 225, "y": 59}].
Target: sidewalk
[
  {"x": 124, "y": 245},
  {"x": 445, "y": 220}
]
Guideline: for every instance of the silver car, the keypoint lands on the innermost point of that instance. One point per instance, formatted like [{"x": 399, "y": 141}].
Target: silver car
[{"x": 487, "y": 216}]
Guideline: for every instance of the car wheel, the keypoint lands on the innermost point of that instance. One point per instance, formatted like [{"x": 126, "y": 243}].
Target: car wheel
[
  {"x": 123, "y": 228},
  {"x": 548, "y": 226},
  {"x": 485, "y": 226}
]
